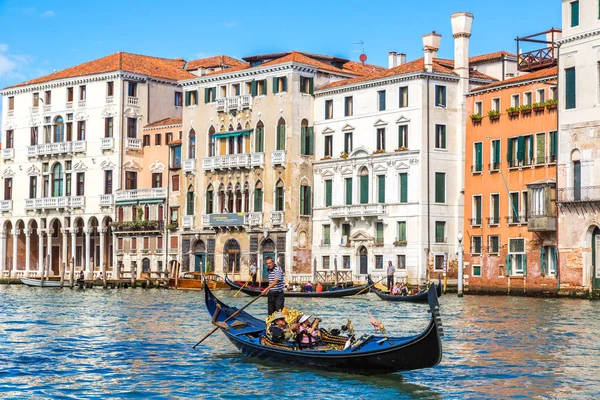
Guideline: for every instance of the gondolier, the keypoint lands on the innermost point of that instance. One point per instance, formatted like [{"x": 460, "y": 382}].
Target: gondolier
[
  {"x": 274, "y": 291},
  {"x": 253, "y": 271},
  {"x": 391, "y": 270}
]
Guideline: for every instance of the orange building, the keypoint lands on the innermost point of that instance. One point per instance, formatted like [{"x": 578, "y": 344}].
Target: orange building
[{"x": 510, "y": 186}]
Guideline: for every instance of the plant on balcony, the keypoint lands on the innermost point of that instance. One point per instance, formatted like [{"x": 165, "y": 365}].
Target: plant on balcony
[
  {"x": 378, "y": 244},
  {"x": 476, "y": 117},
  {"x": 539, "y": 106},
  {"x": 525, "y": 109},
  {"x": 512, "y": 111},
  {"x": 400, "y": 242},
  {"x": 171, "y": 226},
  {"x": 551, "y": 104},
  {"x": 493, "y": 115},
  {"x": 402, "y": 148},
  {"x": 326, "y": 158},
  {"x": 343, "y": 154},
  {"x": 379, "y": 151}
]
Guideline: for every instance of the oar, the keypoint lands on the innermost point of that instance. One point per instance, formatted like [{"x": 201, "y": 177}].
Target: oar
[
  {"x": 368, "y": 287},
  {"x": 228, "y": 318},
  {"x": 236, "y": 293}
]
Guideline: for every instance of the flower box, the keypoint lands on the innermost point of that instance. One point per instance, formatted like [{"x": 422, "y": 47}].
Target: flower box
[
  {"x": 400, "y": 243},
  {"x": 475, "y": 118},
  {"x": 380, "y": 151},
  {"x": 526, "y": 109},
  {"x": 539, "y": 107},
  {"x": 399, "y": 149},
  {"x": 344, "y": 155}
]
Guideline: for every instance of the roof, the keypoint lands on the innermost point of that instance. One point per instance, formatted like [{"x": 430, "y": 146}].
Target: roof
[
  {"x": 162, "y": 68},
  {"x": 491, "y": 56},
  {"x": 472, "y": 73},
  {"x": 216, "y": 61},
  {"x": 164, "y": 122},
  {"x": 549, "y": 73}
]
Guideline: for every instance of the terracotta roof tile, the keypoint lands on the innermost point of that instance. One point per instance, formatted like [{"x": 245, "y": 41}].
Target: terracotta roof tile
[
  {"x": 491, "y": 56},
  {"x": 162, "y": 68},
  {"x": 472, "y": 73},
  {"x": 540, "y": 74},
  {"x": 216, "y": 61},
  {"x": 164, "y": 122}
]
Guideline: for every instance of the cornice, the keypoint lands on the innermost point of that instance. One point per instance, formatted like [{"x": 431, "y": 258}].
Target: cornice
[
  {"x": 509, "y": 85},
  {"x": 579, "y": 36},
  {"x": 163, "y": 127}
]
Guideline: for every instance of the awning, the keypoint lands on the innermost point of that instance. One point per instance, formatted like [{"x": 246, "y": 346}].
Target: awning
[
  {"x": 151, "y": 201},
  {"x": 125, "y": 203},
  {"x": 223, "y": 135}
]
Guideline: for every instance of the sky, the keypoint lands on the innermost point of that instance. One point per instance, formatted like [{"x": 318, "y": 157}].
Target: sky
[{"x": 40, "y": 36}]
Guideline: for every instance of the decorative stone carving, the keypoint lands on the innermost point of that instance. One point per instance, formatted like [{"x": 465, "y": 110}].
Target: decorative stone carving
[
  {"x": 33, "y": 170},
  {"x": 107, "y": 164},
  {"x": 8, "y": 172},
  {"x": 157, "y": 166},
  {"x": 79, "y": 166},
  {"x": 81, "y": 115},
  {"x": 132, "y": 166},
  {"x": 108, "y": 112},
  {"x": 133, "y": 113}
]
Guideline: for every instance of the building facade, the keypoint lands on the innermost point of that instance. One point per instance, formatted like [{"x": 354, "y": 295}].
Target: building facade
[{"x": 578, "y": 178}]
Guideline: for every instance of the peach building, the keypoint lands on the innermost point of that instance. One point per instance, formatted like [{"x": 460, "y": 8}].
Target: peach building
[{"x": 510, "y": 186}]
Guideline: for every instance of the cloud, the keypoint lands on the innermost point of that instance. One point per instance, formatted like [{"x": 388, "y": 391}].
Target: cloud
[
  {"x": 10, "y": 64},
  {"x": 47, "y": 14},
  {"x": 3, "y": 48},
  {"x": 230, "y": 24}
]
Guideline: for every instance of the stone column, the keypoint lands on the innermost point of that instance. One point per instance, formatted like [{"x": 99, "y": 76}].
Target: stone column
[
  {"x": 40, "y": 251},
  {"x": 49, "y": 250},
  {"x": 88, "y": 251},
  {"x": 15, "y": 243},
  {"x": 102, "y": 232},
  {"x": 2, "y": 250},
  {"x": 65, "y": 254},
  {"x": 73, "y": 248},
  {"x": 27, "y": 251}
]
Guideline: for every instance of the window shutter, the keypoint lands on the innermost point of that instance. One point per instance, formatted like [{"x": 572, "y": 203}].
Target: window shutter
[
  {"x": 214, "y": 93},
  {"x": 402, "y": 231},
  {"x": 206, "y": 95},
  {"x": 328, "y": 194},
  {"x": 497, "y": 209},
  {"x": 302, "y": 200},
  {"x": 187, "y": 98},
  {"x": 521, "y": 148},
  {"x": 478, "y": 157},
  {"x": 575, "y": 13},
  {"x": 440, "y": 188},
  {"x": 303, "y": 138},
  {"x": 381, "y": 187},
  {"x": 478, "y": 209},
  {"x": 530, "y": 145},
  {"x": 284, "y": 84},
  {"x": 308, "y": 201},
  {"x": 253, "y": 88},
  {"x": 443, "y": 136},
  {"x": 311, "y": 82},
  {"x": 553, "y": 146},
  {"x": 509, "y": 150},
  {"x": 554, "y": 256},
  {"x": 281, "y": 137},
  {"x": 497, "y": 152},
  {"x": 508, "y": 265},
  {"x": 348, "y": 190},
  {"x": 403, "y": 188},
  {"x": 364, "y": 189},
  {"x": 570, "y": 88},
  {"x": 264, "y": 88},
  {"x": 195, "y": 97},
  {"x": 275, "y": 85},
  {"x": 543, "y": 263},
  {"x": 524, "y": 262},
  {"x": 310, "y": 144}
]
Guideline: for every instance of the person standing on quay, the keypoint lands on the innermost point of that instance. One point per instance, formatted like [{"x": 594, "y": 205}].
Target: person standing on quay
[
  {"x": 253, "y": 271},
  {"x": 391, "y": 270},
  {"x": 275, "y": 289}
]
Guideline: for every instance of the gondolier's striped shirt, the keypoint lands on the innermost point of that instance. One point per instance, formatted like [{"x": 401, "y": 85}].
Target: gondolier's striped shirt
[{"x": 276, "y": 273}]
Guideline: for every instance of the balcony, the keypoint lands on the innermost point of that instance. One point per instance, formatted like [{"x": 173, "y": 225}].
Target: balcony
[
  {"x": 106, "y": 200},
  {"x": 5, "y": 205},
  {"x": 495, "y": 166},
  {"x": 476, "y": 169},
  {"x": 278, "y": 157},
  {"x": 189, "y": 166},
  {"x": 35, "y": 110},
  {"x": 10, "y": 113},
  {"x": 133, "y": 101},
  {"x": 516, "y": 219},
  {"x": 107, "y": 143},
  {"x": 325, "y": 242},
  {"x": 54, "y": 203},
  {"x": 69, "y": 104},
  {"x": 358, "y": 211},
  {"x": 475, "y": 221},
  {"x": 233, "y": 161},
  {"x": 78, "y": 146},
  {"x": 227, "y": 104},
  {"x": 133, "y": 144},
  {"x": 533, "y": 60},
  {"x": 53, "y": 149},
  {"x": 8, "y": 154},
  {"x": 141, "y": 194},
  {"x": 187, "y": 222},
  {"x": 493, "y": 221},
  {"x": 278, "y": 218},
  {"x": 110, "y": 99},
  {"x": 47, "y": 108},
  {"x": 81, "y": 103},
  {"x": 254, "y": 219}
]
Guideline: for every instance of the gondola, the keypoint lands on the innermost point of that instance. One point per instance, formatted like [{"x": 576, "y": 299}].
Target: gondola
[
  {"x": 35, "y": 282},
  {"x": 343, "y": 292},
  {"x": 370, "y": 354},
  {"x": 420, "y": 297}
]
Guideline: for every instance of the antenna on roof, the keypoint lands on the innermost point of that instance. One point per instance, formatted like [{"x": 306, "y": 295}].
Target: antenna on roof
[{"x": 363, "y": 56}]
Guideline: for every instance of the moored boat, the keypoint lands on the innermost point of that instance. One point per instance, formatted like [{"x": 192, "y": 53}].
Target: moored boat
[
  {"x": 35, "y": 282},
  {"x": 337, "y": 292},
  {"x": 414, "y": 298},
  {"x": 194, "y": 281},
  {"x": 370, "y": 354}
]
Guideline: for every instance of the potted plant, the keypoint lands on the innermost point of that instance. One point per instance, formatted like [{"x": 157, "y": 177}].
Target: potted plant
[
  {"x": 526, "y": 109},
  {"x": 476, "y": 118},
  {"x": 171, "y": 226},
  {"x": 379, "y": 151},
  {"x": 493, "y": 115},
  {"x": 551, "y": 104},
  {"x": 326, "y": 158},
  {"x": 512, "y": 111},
  {"x": 400, "y": 242},
  {"x": 343, "y": 154},
  {"x": 402, "y": 148},
  {"x": 538, "y": 106}
]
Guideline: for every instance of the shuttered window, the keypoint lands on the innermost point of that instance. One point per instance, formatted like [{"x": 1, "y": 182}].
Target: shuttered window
[
  {"x": 258, "y": 200},
  {"x": 574, "y": 13},
  {"x": 496, "y": 208},
  {"x": 553, "y": 147},
  {"x": 305, "y": 208},
  {"x": 328, "y": 192},
  {"x": 364, "y": 189},
  {"x": 280, "y": 137},
  {"x": 381, "y": 100},
  {"x": 348, "y": 191},
  {"x": 440, "y": 187},
  {"x": 259, "y": 139},
  {"x": 401, "y": 231},
  {"x": 403, "y": 187},
  {"x": 478, "y": 156},
  {"x": 577, "y": 180},
  {"x": 540, "y": 150},
  {"x": 440, "y": 231},
  {"x": 381, "y": 188},
  {"x": 570, "y": 88}
]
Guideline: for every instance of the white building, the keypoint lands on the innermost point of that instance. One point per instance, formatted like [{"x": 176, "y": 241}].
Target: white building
[
  {"x": 64, "y": 139},
  {"x": 388, "y": 186}
]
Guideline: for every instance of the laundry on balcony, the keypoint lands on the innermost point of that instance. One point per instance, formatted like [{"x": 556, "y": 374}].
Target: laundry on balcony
[{"x": 223, "y": 135}]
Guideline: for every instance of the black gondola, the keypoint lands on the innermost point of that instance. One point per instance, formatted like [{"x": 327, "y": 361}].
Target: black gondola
[
  {"x": 341, "y": 292},
  {"x": 372, "y": 354},
  {"x": 420, "y": 297}
]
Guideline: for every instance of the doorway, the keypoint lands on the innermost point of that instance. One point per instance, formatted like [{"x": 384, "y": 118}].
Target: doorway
[
  {"x": 596, "y": 259},
  {"x": 363, "y": 257},
  {"x": 200, "y": 262}
]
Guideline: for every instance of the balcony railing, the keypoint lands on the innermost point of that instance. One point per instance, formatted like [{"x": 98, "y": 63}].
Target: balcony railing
[
  {"x": 233, "y": 161},
  {"x": 47, "y": 108},
  {"x": 476, "y": 168},
  {"x": 578, "y": 194},
  {"x": 475, "y": 221},
  {"x": 440, "y": 239},
  {"x": 141, "y": 194},
  {"x": 51, "y": 149},
  {"x": 187, "y": 222},
  {"x": 234, "y": 103},
  {"x": 254, "y": 218},
  {"x": 189, "y": 166},
  {"x": 55, "y": 203},
  {"x": 110, "y": 99},
  {"x": 107, "y": 143},
  {"x": 8, "y": 154},
  {"x": 495, "y": 166},
  {"x": 493, "y": 221},
  {"x": 10, "y": 113},
  {"x": 69, "y": 104},
  {"x": 277, "y": 218},
  {"x": 516, "y": 219},
  {"x": 81, "y": 103},
  {"x": 106, "y": 200},
  {"x": 133, "y": 101},
  {"x": 358, "y": 211},
  {"x": 78, "y": 146},
  {"x": 133, "y": 144},
  {"x": 278, "y": 157},
  {"x": 35, "y": 110},
  {"x": 5, "y": 205}
]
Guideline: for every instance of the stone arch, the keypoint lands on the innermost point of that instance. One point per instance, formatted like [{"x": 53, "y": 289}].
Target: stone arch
[{"x": 231, "y": 256}]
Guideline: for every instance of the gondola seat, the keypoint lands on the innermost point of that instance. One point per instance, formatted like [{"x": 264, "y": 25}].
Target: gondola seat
[{"x": 265, "y": 341}]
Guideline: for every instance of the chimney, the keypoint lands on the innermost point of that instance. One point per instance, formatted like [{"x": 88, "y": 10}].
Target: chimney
[
  {"x": 461, "y": 31},
  {"x": 431, "y": 44},
  {"x": 400, "y": 59},
  {"x": 392, "y": 59}
]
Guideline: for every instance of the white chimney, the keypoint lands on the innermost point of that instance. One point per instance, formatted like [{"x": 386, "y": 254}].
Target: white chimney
[
  {"x": 431, "y": 44},
  {"x": 400, "y": 59},
  {"x": 461, "y": 31},
  {"x": 392, "y": 59}
]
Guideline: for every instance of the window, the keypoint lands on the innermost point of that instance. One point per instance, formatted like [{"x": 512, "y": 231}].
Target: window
[
  {"x": 82, "y": 92},
  {"x": 440, "y": 231},
  {"x": 258, "y": 197},
  {"x": 306, "y": 85},
  {"x": 495, "y": 155},
  {"x": 346, "y": 262},
  {"x": 191, "y": 98},
  {"x": 36, "y": 100},
  {"x": 541, "y": 95},
  {"x": 401, "y": 231},
  {"x": 132, "y": 89},
  {"x": 328, "y": 149},
  {"x": 439, "y": 261},
  {"x": 328, "y": 192},
  {"x": 553, "y": 146},
  {"x": 515, "y": 100},
  {"x": 120, "y": 243},
  {"x": 478, "y": 157},
  {"x": 157, "y": 180},
  {"x": 494, "y": 209},
  {"x": 381, "y": 100},
  {"x": 69, "y": 129},
  {"x": 440, "y": 187},
  {"x": 440, "y": 136},
  {"x": 553, "y": 91},
  {"x": 108, "y": 127},
  {"x": 348, "y": 142},
  {"x": 475, "y": 244},
  {"x": 8, "y": 185},
  {"x": 146, "y": 140},
  {"x": 305, "y": 208},
  {"x": 379, "y": 233},
  {"x": 537, "y": 202},
  {"x": 108, "y": 183},
  {"x": 190, "y": 202},
  {"x": 10, "y": 139},
  {"x": 401, "y": 261},
  {"x": 402, "y": 136},
  {"x": 130, "y": 180},
  {"x": 528, "y": 159},
  {"x": 178, "y": 99},
  {"x": 69, "y": 95},
  {"x": 403, "y": 187},
  {"x": 476, "y": 270},
  {"x": 364, "y": 186},
  {"x": 57, "y": 180},
  {"x": 175, "y": 183},
  {"x": 146, "y": 243},
  {"x": 577, "y": 180},
  {"x": 570, "y": 89},
  {"x": 33, "y": 136},
  {"x": 516, "y": 259},
  {"x": 476, "y": 212},
  {"x": 133, "y": 243},
  {"x": 80, "y": 184},
  {"x": 346, "y": 234},
  {"x": 48, "y": 97},
  {"x": 132, "y": 128},
  {"x": 158, "y": 139},
  {"x": 381, "y": 188},
  {"x": 259, "y": 139},
  {"x": 478, "y": 109},
  {"x": 307, "y": 134},
  {"x": 110, "y": 88},
  {"x": 540, "y": 148},
  {"x": 348, "y": 184},
  {"x": 328, "y": 109},
  {"x": 235, "y": 89},
  {"x": 11, "y": 103},
  {"x": 493, "y": 244},
  {"x": 381, "y": 139},
  {"x": 32, "y": 187},
  {"x": 210, "y": 200},
  {"x": 378, "y": 261},
  {"x": 279, "y": 197},
  {"x": 574, "y": 14},
  {"x": 440, "y": 96},
  {"x": 527, "y": 99},
  {"x": 280, "y": 145},
  {"x": 513, "y": 208},
  {"x": 548, "y": 260},
  {"x": 279, "y": 84},
  {"x": 326, "y": 234},
  {"x": 176, "y": 157},
  {"x": 496, "y": 104},
  {"x": 348, "y": 106},
  {"x": 404, "y": 96},
  {"x": 261, "y": 88},
  {"x": 210, "y": 95},
  {"x": 67, "y": 183},
  {"x": 192, "y": 144}
]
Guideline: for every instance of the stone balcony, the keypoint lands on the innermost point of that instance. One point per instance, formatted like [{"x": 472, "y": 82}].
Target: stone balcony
[
  {"x": 10, "y": 113},
  {"x": 278, "y": 157},
  {"x": 141, "y": 194},
  {"x": 189, "y": 166},
  {"x": 47, "y": 108},
  {"x": 227, "y": 104},
  {"x": 107, "y": 143},
  {"x": 232, "y": 220},
  {"x": 8, "y": 154},
  {"x": 55, "y": 203},
  {"x": 106, "y": 200},
  {"x": 234, "y": 161},
  {"x": 110, "y": 99},
  {"x": 187, "y": 222},
  {"x": 81, "y": 103},
  {"x": 358, "y": 211},
  {"x": 69, "y": 104},
  {"x": 133, "y": 144},
  {"x": 5, "y": 205},
  {"x": 277, "y": 218},
  {"x": 54, "y": 149},
  {"x": 133, "y": 101}
]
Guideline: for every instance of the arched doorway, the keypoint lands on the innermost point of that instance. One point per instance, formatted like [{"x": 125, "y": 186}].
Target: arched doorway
[
  {"x": 146, "y": 267},
  {"x": 596, "y": 258},
  {"x": 268, "y": 251},
  {"x": 231, "y": 256},
  {"x": 363, "y": 258},
  {"x": 199, "y": 256}
]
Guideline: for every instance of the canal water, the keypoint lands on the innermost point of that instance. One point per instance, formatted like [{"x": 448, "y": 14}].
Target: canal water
[{"x": 136, "y": 343}]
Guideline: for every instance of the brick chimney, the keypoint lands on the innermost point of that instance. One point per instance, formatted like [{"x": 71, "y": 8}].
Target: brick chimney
[{"x": 431, "y": 45}]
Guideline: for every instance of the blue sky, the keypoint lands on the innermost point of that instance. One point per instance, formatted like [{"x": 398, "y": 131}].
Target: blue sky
[{"x": 39, "y": 36}]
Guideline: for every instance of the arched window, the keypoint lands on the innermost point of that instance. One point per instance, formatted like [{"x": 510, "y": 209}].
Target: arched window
[
  {"x": 231, "y": 256},
  {"x": 59, "y": 130},
  {"x": 258, "y": 197},
  {"x": 121, "y": 215},
  {"x": 192, "y": 144},
  {"x": 190, "y": 201},
  {"x": 280, "y": 145},
  {"x": 221, "y": 199},
  {"x": 240, "y": 140},
  {"x": 305, "y": 198},
  {"x": 209, "y": 199},
  {"x": 211, "y": 142},
  {"x": 229, "y": 199},
  {"x": 57, "y": 180},
  {"x": 246, "y": 197},
  {"x": 146, "y": 265},
  {"x": 364, "y": 185},
  {"x": 279, "y": 196},
  {"x": 576, "y": 159},
  {"x": 259, "y": 137},
  {"x": 161, "y": 212},
  {"x": 307, "y": 134},
  {"x": 146, "y": 212},
  {"x": 134, "y": 213},
  {"x": 238, "y": 198}
]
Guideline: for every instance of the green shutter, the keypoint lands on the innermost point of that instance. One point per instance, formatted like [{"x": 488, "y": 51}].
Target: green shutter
[
  {"x": 554, "y": 257},
  {"x": 402, "y": 230},
  {"x": 478, "y": 157},
  {"x": 311, "y": 83},
  {"x": 311, "y": 144},
  {"x": 264, "y": 89},
  {"x": 303, "y": 134},
  {"x": 214, "y": 93},
  {"x": 328, "y": 193},
  {"x": 195, "y": 97},
  {"x": 308, "y": 201},
  {"x": 281, "y": 137},
  {"x": 440, "y": 228},
  {"x": 206, "y": 95},
  {"x": 521, "y": 148},
  {"x": 524, "y": 264},
  {"x": 553, "y": 144},
  {"x": 364, "y": 189},
  {"x": 302, "y": 198},
  {"x": 509, "y": 148},
  {"x": 258, "y": 200},
  {"x": 253, "y": 91},
  {"x": 275, "y": 85},
  {"x": 478, "y": 209},
  {"x": 508, "y": 265},
  {"x": 381, "y": 188},
  {"x": 187, "y": 98},
  {"x": 570, "y": 88},
  {"x": 575, "y": 13},
  {"x": 440, "y": 187},
  {"x": 403, "y": 188},
  {"x": 443, "y": 136},
  {"x": 348, "y": 190},
  {"x": 497, "y": 208},
  {"x": 543, "y": 263},
  {"x": 497, "y": 152}
]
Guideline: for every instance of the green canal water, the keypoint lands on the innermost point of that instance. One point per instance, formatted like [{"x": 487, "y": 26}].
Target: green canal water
[{"x": 135, "y": 343}]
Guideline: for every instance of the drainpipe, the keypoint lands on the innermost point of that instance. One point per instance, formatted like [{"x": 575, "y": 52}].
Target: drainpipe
[{"x": 503, "y": 67}]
